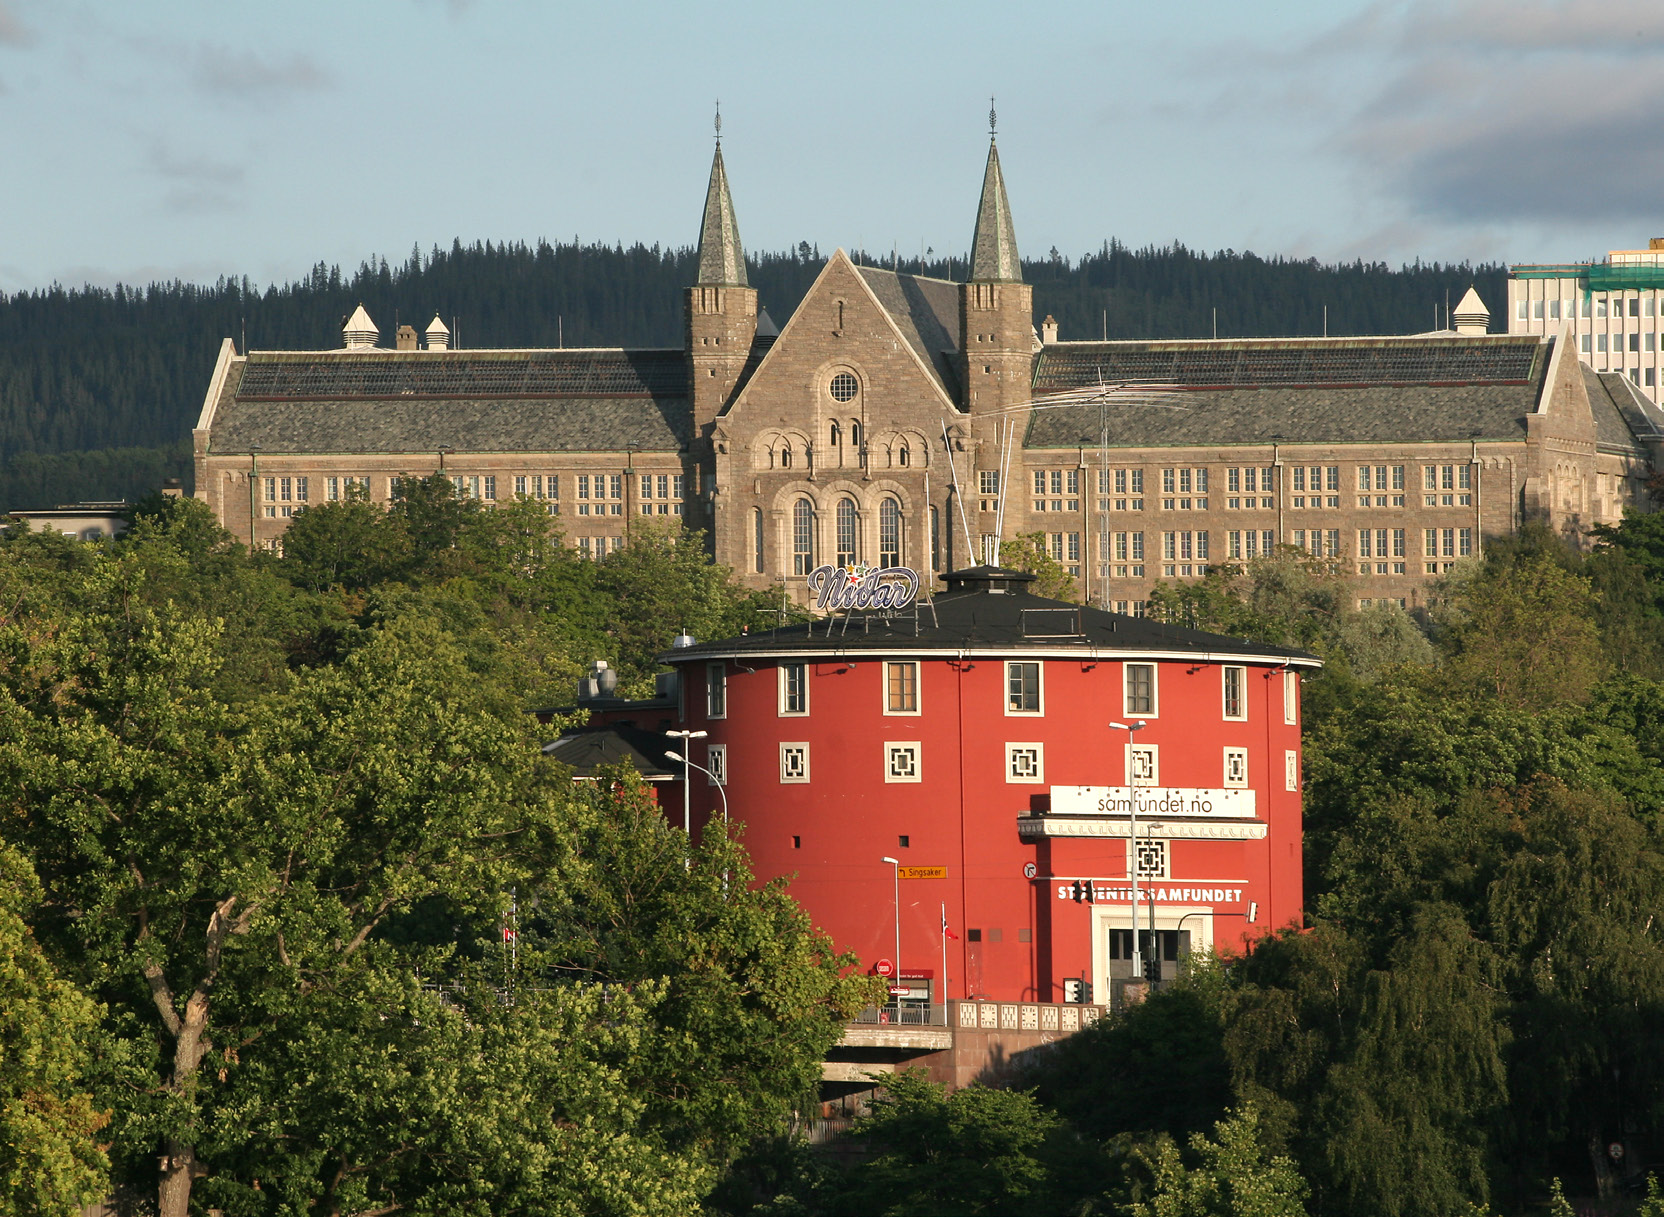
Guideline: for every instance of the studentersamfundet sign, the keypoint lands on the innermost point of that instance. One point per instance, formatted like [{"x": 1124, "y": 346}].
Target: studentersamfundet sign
[{"x": 1152, "y": 801}]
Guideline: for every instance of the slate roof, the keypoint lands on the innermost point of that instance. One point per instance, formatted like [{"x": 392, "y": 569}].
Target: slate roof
[
  {"x": 473, "y": 401},
  {"x": 1219, "y": 393},
  {"x": 588, "y": 748},
  {"x": 927, "y": 313},
  {"x": 1622, "y": 415},
  {"x": 986, "y": 608},
  {"x": 994, "y": 240},
  {"x": 721, "y": 260}
]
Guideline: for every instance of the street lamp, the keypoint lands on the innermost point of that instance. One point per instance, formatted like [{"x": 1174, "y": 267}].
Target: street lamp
[
  {"x": 685, "y": 736},
  {"x": 1132, "y": 865},
  {"x": 895, "y": 868}
]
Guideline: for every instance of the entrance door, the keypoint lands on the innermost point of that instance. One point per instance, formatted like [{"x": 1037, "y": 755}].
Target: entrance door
[{"x": 1179, "y": 930}]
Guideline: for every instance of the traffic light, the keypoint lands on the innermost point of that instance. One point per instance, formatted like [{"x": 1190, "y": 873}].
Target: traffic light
[
  {"x": 1078, "y": 891},
  {"x": 1152, "y": 966},
  {"x": 1085, "y": 993},
  {"x": 1090, "y": 894}
]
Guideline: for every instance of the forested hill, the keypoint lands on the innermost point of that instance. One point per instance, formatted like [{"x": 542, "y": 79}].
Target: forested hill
[{"x": 87, "y": 370}]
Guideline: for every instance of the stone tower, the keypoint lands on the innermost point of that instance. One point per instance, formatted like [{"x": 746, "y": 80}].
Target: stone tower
[
  {"x": 721, "y": 309},
  {"x": 996, "y": 329}
]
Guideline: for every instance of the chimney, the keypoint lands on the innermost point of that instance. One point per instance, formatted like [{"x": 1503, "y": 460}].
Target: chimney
[
  {"x": 407, "y": 338},
  {"x": 1048, "y": 330},
  {"x": 359, "y": 332},
  {"x": 171, "y": 489},
  {"x": 439, "y": 338},
  {"x": 1656, "y": 243}
]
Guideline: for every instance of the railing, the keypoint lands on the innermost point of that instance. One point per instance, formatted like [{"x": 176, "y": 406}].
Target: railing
[{"x": 903, "y": 1014}]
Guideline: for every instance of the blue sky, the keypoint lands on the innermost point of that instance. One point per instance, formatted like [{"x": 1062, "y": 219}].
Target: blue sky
[{"x": 172, "y": 139}]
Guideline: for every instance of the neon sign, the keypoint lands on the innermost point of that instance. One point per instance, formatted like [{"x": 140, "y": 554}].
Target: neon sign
[{"x": 863, "y": 587}]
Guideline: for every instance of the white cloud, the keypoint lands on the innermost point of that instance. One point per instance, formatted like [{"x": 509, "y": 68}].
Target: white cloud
[{"x": 248, "y": 75}]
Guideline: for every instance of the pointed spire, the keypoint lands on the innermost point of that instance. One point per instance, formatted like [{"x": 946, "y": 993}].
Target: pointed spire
[
  {"x": 994, "y": 243},
  {"x": 721, "y": 260}
]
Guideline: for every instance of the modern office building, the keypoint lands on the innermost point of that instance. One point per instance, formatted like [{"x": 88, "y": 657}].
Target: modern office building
[{"x": 1614, "y": 311}]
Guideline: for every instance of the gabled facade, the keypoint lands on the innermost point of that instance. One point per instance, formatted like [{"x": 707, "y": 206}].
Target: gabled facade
[{"x": 901, "y": 420}]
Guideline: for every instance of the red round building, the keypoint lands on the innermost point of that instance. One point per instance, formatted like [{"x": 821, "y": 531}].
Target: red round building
[{"x": 955, "y": 786}]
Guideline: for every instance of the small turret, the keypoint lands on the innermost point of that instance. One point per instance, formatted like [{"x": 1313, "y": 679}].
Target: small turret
[
  {"x": 358, "y": 332},
  {"x": 438, "y": 337}
]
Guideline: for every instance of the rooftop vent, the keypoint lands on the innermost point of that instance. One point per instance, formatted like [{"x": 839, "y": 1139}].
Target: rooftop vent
[
  {"x": 406, "y": 338},
  {"x": 439, "y": 338},
  {"x": 993, "y": 580},
  {"x": 601, "y": 681},
  {"x": 358, "y": 332},
  {"x": 682, "y": 640},
  {"x": 1471, "y": 316},
  {"x": 1051, "y": 623}
]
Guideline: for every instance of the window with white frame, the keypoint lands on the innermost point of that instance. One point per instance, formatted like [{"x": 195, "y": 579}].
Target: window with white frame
[
  {"x": 1291, "y": 770},
  {"x": 794, "y": 688},
  {"x": 1022, "y": 688},
  {"x": 1236, "y": 691},
  {"x": 1139, "y": 693},
  {"x": 1151, "y": 856},
  {"x": 901, "y": 761},
  {"x": 1025, "y": 762},
  {"x": 716, "y": 691},
  {"x": 1236, "y": 768},
  {"x": 1143, "y": 765},
  {"x": 901, "y": 687},
  {"x": 716, "y": 761},
  {"x": 794, "y": 762},
  {"x": 1291, "y": 697}
]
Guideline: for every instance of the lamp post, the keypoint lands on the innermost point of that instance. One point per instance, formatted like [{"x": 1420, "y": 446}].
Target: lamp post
[
  {"x": 1132, "y": 730},
  {"x": 687, "y": 747},
  {"x": 895, "y": 871}
]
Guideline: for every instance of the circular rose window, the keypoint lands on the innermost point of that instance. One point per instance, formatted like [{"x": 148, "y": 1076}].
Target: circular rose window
[{"x": 845, "y": 386}]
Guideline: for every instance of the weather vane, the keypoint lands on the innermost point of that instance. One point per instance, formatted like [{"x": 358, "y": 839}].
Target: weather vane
[
  {"x": 719, "y": 122},
  {"x": 992, "y": 117}
]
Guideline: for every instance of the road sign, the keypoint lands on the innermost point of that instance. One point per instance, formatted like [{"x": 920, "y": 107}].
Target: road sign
[
  {"x": 921, "y": 872},
  {"x": 884, "y": 967}
]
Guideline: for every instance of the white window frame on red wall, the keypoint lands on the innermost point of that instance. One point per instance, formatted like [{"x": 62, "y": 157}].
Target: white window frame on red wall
[
  {"x": 789, "y": 774},
  {"x": 716, "y": 760},
  {"x": 1225, "y": 671},
  {"x": 1155, "y": 691},
  {"x": 1235, "y": 776},
  {"x": 1143, "y": 763},
  {"x": 1037, "y": 772},
  {"x": 782, "y": 670},
  {"x": 891, "y": 749},
  {"x": 918, "y": 691}
]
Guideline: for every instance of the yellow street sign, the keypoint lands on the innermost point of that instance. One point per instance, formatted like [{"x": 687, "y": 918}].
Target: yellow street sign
[{"x": 922, "y": 872}]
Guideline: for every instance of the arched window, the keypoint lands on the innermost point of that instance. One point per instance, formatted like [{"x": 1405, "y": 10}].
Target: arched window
[
  {"x": 935, "y": 540},
  {"x": 803, "y": 537},
  {"x": 848, "y": 530},
  {"x": 889, "y": 533},
  {"x": 855, "y": 433},
  {"x": 836, "y": 432},
  {"x": 757, "y": 537},
  {"x": 903, "y": 457},
  {"x": 785, "y": 456}
]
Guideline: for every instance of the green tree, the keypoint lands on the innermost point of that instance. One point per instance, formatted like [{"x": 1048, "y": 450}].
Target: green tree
[
  {"x": 50, "y": 1159},
  {"x": 352, "y": 543},
  {"x": 754, "y": 997},
  {"x": 1526, "y": 635},
  {"x": 977, "y": 1150},
  {"x": 1234, "y": 1176},
  {"x": 211, "y": 863},
  {"x": 1030, "y": 552},
  {"x": 663, "y": 583}
]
